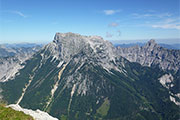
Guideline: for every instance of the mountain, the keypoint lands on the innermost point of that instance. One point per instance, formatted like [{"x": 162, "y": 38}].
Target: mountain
[
  {"x": 22, "y": 45},
  {"x": 86, "y": 77},
  {"x": 12, "y": 58},
  {"x": 168, "y": 46},
  {"x": 10, "y": 50},
  {"x": 128, "y": 45},
  {"x": 152, "y": 54}
]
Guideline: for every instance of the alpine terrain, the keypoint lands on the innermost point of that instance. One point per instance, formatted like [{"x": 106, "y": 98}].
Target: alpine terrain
[
  {"x": 12, "y": 57},
  {"x": 79, "y": 77}
]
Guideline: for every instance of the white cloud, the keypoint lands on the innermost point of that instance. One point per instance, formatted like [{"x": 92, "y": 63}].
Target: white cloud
[
  {"x": 164, "y": 15},
  {"x": 162, "y": 20},
  {"x": 16, "y": 12},
  {"x": 167, "y": 26},
  {"x": 19, "y": 13},
  {"x": 170, "y": 23},
  {"x": 111, "y": 12},
  {"x": 147, "y": 15},
  {"x": 109, "y": 35},
  {"x": 171, "y": 20},
  {"x": 113, "y": 24}
]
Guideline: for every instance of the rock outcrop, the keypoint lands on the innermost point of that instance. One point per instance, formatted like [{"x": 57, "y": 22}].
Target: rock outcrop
[
  {"x": 86, "y": 77},
  {"x": 152, "y": 55},
  {"x": 37, "y": 115},
  {"x": 12, "y": 59}
]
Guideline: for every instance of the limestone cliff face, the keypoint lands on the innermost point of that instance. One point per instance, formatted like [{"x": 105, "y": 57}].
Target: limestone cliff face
[
  {"x": 12, "y": 59},
  {"x": 152, "y": 54},
  {"x": 66, "y": 45},
  {"x": 78, "y": 49},
  {"x": 78, "y": 76}
]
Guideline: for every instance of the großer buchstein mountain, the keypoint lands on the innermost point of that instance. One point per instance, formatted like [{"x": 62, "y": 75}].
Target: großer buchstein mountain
[{"x": 85, "y": 77}]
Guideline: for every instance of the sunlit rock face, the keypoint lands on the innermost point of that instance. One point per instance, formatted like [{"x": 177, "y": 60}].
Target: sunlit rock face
[
  {"x": 13, "y": 59},
  {"x": 151, "y": 55},
  {"x": 66, "y": 45},
  {"x": 86, "y": 77}
]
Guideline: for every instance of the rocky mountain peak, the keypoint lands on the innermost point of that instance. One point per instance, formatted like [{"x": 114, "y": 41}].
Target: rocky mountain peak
[
  {"x": 151, "y": 44},
  {"x": 152, "y": 54},
  {"x": 76, "y": 69},
  {"x": 61, "y": 36},
  {"x": 65, "y": 45},
  {"x": 152, "y": 41}
]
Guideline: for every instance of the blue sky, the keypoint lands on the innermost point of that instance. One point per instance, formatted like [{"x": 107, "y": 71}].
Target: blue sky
[{"x": 37, "y": 21}]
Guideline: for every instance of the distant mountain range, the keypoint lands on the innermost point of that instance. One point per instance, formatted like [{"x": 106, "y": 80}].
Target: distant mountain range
[
  {"x": 7, "y": 50},
  {"x": 168, "y": 46},
  {"x": 79, "y": 77},
  {"x": 21, "y": 45},
  {"x": 152, "y": 54},
  {"x": 12, "y": 56}
]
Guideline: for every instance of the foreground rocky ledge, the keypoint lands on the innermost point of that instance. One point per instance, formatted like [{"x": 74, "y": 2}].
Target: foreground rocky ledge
[{"x": 37, "y": 115}]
